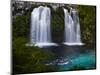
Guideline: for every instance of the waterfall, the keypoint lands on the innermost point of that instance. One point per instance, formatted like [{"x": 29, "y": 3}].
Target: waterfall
[
  {"x": 72, "y": 28},
  {"x": 40, "y": 33}
]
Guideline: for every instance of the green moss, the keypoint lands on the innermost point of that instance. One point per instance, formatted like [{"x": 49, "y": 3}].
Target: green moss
[
  {"x": 87, "y": 15},
  {"x": 28, "y": 59},
  {"x": 57, "y": 25}
]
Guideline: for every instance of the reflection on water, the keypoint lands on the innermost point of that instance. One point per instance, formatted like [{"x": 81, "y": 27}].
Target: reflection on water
[{"x": 68, "y": 56}]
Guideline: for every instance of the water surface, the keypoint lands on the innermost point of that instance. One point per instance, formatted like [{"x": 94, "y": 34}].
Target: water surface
[{"x": 72, "y": 57}]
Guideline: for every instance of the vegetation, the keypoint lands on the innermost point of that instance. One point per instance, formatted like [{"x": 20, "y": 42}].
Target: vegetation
[
  {"x": 29, "y": 59},
  {"x": 87, "y": 16},
  {"x": 21, "y": 26},
  {"x": 57, "y": 25}
]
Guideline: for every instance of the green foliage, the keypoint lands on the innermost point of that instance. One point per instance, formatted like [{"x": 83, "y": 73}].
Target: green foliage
[
  {"x": 57, "y": 24},
  {"x": 87, "y": 16},
  {"x": 21, "y": 25},
  {"x": 28, "y": 59}
]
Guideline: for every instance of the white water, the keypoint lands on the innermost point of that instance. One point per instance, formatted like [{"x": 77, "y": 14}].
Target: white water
[
  {"x": 72, "y": 28},
  {"x": 40, "y": 27}
]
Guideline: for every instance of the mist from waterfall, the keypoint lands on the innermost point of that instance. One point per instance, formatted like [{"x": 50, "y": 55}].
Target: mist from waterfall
[
  {"x": 40, "y": 34},
  {"x": 72, "y": 28}
]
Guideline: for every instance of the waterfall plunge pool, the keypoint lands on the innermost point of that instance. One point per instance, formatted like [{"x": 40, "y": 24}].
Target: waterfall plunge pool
[{"x": 72, "y": 58}]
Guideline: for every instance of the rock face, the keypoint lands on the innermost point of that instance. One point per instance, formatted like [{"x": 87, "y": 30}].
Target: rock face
[{"x": 20, "y": 7}]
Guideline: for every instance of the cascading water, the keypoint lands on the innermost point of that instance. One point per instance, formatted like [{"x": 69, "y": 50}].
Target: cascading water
[
  {"x": 40, "y": 27},
  {"x": 72, "y": 28}
]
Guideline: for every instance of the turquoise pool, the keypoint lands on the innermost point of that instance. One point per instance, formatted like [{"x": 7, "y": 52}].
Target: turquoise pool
[{"x": 73, "y": 58}]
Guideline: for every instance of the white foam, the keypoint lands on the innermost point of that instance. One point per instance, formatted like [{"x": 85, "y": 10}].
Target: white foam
[
  {"x": 72, "y": 44},
  {"x": 45, "y": 44},
  {"x": 41, "y": 44}
]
